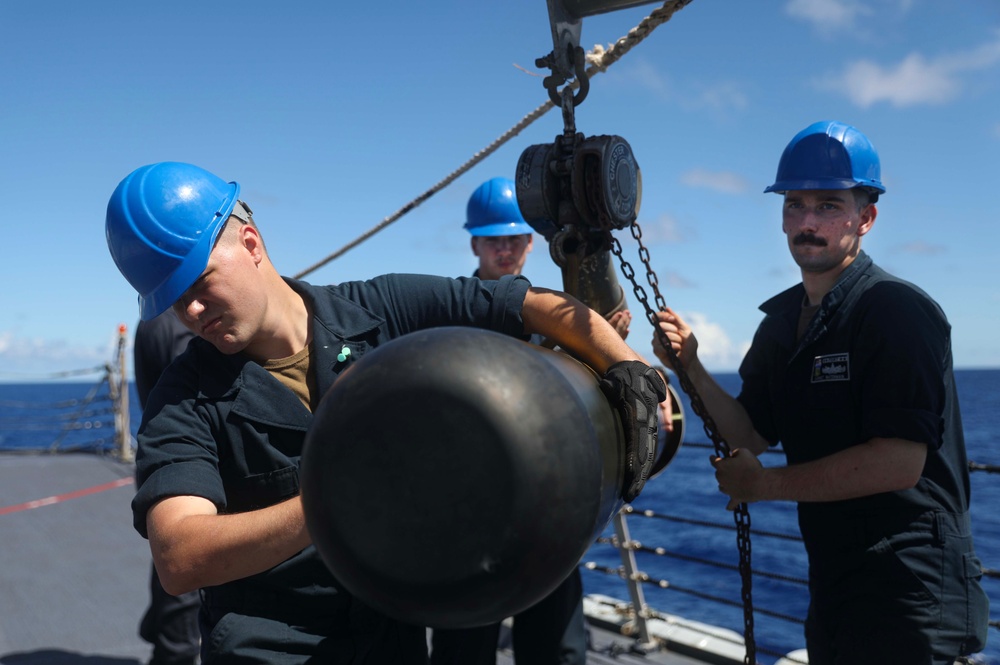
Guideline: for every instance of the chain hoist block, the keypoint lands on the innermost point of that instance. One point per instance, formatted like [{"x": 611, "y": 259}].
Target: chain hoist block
[
  {"x": 537, "y": 187},
  {"x": 596, "y": 185},
  {"x": 607, "y": 183}
]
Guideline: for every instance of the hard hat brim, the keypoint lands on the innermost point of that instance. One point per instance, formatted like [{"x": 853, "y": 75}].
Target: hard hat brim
[
  {"x": 783, "y": 186},
  {"x": 503, "y": 229}
]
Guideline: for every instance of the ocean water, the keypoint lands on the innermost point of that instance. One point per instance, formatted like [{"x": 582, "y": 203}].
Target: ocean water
[
  {"x": 77, "y": 416},
  {"x": 62, "y": 416}
]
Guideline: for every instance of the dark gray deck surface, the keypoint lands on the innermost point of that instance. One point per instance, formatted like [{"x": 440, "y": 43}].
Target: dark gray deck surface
[{"x": 73, "y": 584}]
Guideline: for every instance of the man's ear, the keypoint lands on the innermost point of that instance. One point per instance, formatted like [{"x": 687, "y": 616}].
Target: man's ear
[
  {"x": 474, "y": 245},
  {"x": 867, "y": 219},
  {"x": 251, "y": 241}
]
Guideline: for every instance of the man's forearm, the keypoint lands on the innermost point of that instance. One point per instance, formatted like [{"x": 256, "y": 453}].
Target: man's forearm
[
  {"x": 729, "y": 416},
  {"x": 873, "y": 467},
  {"x": 575, "y": 327},
  {"x": 194, "y": 547}
]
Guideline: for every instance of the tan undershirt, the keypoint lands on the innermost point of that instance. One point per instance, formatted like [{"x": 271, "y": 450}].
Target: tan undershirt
[
  {"x": 805, "y": 316},
  {"x": 295, "y": 372}
]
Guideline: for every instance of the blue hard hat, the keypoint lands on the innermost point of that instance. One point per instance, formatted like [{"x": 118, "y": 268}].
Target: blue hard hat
[
  {"x": 162, "y": 222},
  {"x": 828, "y": 155},
  {"x": 493, "y": 210}
]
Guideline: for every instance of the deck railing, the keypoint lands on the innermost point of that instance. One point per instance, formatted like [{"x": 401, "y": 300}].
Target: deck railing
[
  {"x": 44, "y": 419},
  {"x": 636, "y": 578}
]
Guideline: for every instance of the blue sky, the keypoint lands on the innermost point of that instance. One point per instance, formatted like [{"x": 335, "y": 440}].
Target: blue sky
[{"x": 333, "y": 115}]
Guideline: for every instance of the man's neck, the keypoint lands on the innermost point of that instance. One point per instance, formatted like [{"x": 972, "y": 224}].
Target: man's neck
[
  {"x": 818, "y": 284},
  {"x": 287, "y": 327}
]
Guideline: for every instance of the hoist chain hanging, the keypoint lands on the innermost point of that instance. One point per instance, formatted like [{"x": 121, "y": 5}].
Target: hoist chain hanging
[
  {"x": 569, "y": 137},
  {"x": 742, "y": 513}
]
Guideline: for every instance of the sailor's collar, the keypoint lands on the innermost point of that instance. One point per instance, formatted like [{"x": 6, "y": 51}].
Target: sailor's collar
[
  {"x": 342, "y": 317},
  {"x": 792, "y": 299}
]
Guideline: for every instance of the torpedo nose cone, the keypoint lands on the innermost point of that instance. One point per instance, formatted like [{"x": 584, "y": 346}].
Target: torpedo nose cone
[{"x": 455, "y": 476}]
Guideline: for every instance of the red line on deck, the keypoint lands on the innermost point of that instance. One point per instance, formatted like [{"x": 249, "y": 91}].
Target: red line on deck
[{"x": 59, "y": 498}]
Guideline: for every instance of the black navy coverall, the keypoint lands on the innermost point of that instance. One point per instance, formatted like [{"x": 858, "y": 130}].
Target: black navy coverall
[{"x": 893, "y": 577}]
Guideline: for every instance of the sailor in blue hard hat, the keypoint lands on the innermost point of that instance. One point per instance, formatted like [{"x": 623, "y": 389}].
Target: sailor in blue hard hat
[
  {"x": 500, "y": 236},
  {"x": 851, "y": 372}
]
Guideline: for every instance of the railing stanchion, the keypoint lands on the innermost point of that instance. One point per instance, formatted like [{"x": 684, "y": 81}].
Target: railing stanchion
[
  {"x": 627, "y": 552},
  {"x": 119, "y": 395}
]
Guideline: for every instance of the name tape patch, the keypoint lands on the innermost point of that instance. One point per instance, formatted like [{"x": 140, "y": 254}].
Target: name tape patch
[{"x": 832, "y": 367}]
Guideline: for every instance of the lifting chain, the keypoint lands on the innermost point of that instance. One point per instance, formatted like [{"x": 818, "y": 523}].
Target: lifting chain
[{"x": 742, "y": 513}]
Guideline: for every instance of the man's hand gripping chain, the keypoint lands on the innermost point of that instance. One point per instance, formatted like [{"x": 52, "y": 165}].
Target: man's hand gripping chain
[{"x": 634, "y": 389}]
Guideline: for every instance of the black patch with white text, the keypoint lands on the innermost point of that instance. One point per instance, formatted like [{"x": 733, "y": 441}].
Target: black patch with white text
[{"x": 832, "y": 367}]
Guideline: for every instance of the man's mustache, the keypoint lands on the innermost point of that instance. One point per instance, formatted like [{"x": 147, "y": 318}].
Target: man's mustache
[{"x": 808, "y": 239}]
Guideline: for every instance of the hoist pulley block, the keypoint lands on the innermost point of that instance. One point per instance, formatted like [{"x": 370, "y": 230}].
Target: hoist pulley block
[{"x": 597, "y": 186}]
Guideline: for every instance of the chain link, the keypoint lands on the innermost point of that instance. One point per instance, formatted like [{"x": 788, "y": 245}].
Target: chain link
[{"x": 742, "y": 513}]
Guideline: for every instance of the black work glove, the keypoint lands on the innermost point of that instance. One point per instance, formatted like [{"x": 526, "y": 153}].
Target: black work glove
[{"x": 634, "y": 389}]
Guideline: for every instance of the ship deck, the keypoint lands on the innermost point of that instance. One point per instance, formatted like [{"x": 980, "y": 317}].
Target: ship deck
[{"x": 74, "y": 583}]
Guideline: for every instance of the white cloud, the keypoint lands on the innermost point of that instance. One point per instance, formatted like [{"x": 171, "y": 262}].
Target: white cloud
[
  {"x": 915, "y": 80},
  {"x": 716, "y": 350},
  {"x": 644, "y": 73},
  {"x": 721, "y": 181},
  {"x": 827, "y": 15},
  {"x": 665, "y": 229},
  {"x": 26, "y": 358},
  {"x": 673, "y": 280}
]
